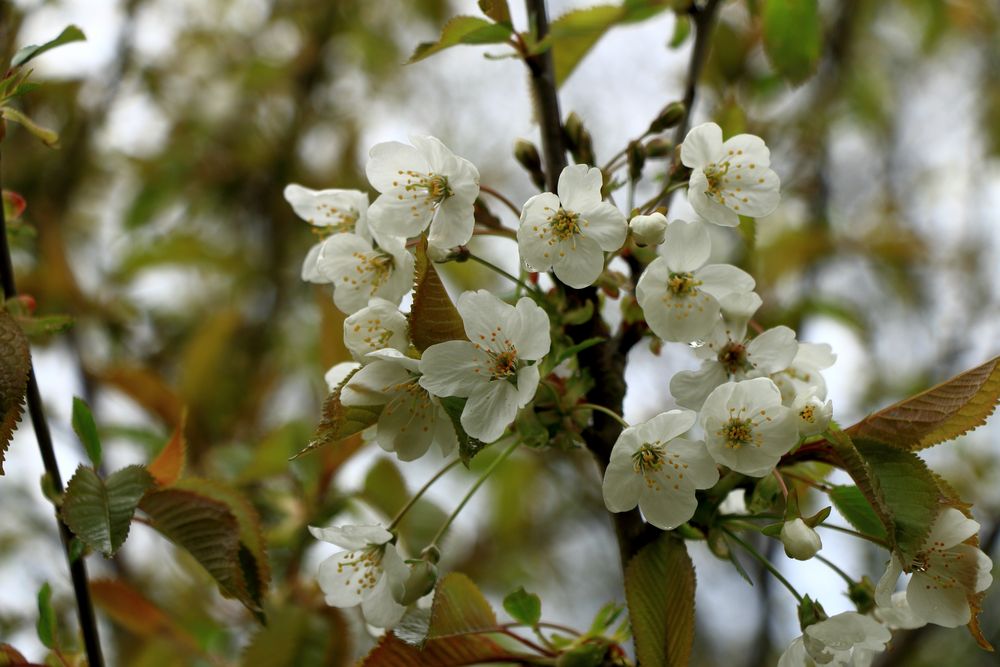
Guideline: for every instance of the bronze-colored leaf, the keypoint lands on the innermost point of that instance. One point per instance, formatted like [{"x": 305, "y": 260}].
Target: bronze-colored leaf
[
  {"x": 433, "y": 317},
  {"x": 15, "y": 362}
]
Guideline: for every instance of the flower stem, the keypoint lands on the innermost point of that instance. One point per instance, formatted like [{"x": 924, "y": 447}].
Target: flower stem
[
  {"x": 490, "y": 265},
  {"x": 475, "y": 487},
  {"x": 768, "y": 565},
  {"x": 420, "y": 492},
  {"x": 77, "y": 567},
  {"x": 865, "y": 536},
  {"x": 600, "y": 408},
  {"x": 503, "y": 199},
  {"x": 846, "y": 577}
]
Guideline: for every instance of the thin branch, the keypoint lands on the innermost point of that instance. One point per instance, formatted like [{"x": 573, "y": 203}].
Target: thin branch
[{"x": 543, "y": 86}]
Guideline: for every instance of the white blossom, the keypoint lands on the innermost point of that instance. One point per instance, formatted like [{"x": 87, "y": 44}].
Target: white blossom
[
  {"x": 812, "y": 413},
  {"x": 368, "y": 572},
  {"x": 804, "y": 373},
  {"x": 746, "y": 426},
  {"x": 377, "y": 326},
  {"x": 340, "y": 372},
  {"x": 329, "y": 212},
  {"x": 678, "y": 293},
  {"x": 653, "y": 467},
  {"x": 359, "y": 270},
  {"x": 569, "y": 233},
  {"x": 423, "y": 185},
  {"x": 729, "y": 179},
  {"x": 493, "y": 368},
  {"x": 648, "y": 229},
  {"x": 800, "y": 540},
  {"x": 845, "y": 640},
  {"x": 898, "y": 614},
  {"x": 412, "y": 419},
  {"x": 946, "y": 572}
]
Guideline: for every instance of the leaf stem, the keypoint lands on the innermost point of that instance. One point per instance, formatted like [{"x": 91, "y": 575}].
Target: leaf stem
[
  {"x": 865, "y": 536},
  {"x": 503, "y": 199},
  {"x": 600, "y": 408},
  {"x": 768, "y": 565},
  {"x": 420, "y": 492},
  {"x": 77, "y": 567},
  {"x": 475, "y": 487},
  {"x": 493, "y": 267}
]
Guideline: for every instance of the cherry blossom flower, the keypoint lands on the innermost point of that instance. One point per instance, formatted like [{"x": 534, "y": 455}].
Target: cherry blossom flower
[
  {"x": 746, "y": 426},
  {"x": 423, "y": 185},
  {"x": 648, "y": 229},
  {"x": 359, "y": 270},
  {"x": 569, "y": 233},
  {"x": 812, "y": 414},
  {"x": 653, "y": 467},
  {"x": 729, "y": 179},
  {"x": 845, "y": 640},
  {"x": 340, "y": 372},
  {"x": 412, "y": 419},
  {"x": 800, "y": 540},
  {"x": 678, "y": 293},
  {"x": 804, "y": 374},
  {"x": 492, "y": 369},
  {"x": 377, "y": 326},
  {"x": 946, "y": 572},
  {"x": 368, "y": 572},
  {"x": 329, "y": 212}
]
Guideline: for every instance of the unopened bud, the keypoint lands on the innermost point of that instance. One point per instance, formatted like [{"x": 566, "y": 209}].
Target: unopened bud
[
  {"x": 636, "y": 159},
  {"x": 526, "y": 153},
  {"x": 801, "y": 542},
  {"x": 862, "y": 594},
  {"x": 648, "y": 229},
  {"x": 659, "y": 148},
  {"x": 669, "y": 116},
  {"x": 573, "y": 128},
  {"x": 578, "y": 140},
  {"x": 810, "y": 612},
  {"x": 423, "y": 576}
]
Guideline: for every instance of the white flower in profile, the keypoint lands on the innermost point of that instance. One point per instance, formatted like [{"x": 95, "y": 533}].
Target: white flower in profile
[
  {"x": 423, "y": 185},
  {"x": 653, "y": 467},
  {"x": 412, "y": 419},
  {"x": 368, "y": 572},
  {"x": 340, "y": 372},
  {"x": 359, "y": 270},
  {"x": 746, "y": 426},
  {"x": 898, "y": 614},
  {"x": 377, "y": 326},
  {"x": 813, "y": 414},
  {"x": 729, "y": 355},
  {"x": 729, "y": 179},
  {"x": 678, "y": 293},
  {"x": 804, "y": 374},
  {"x": 329, "y": 212},
  {"x": 801, "y": 541},
  {"x": 845, "y": 640},
  {"x": 493, "y": 367},
  {"x": 946, "y": 573},
  {"x": 569, "y": 233}
]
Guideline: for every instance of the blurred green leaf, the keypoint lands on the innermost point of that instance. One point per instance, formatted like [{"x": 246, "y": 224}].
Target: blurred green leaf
[
  {"x": 468, "y": 446},
  {"x": 299, "y": 637},
  {"x": 28, "y": 53},
  {"x": 48, "y": 137},
  {"x": 46, "y": 626},
  {"x": 100, "y": 512},
  {"x": 463, "y": 30},
  {"x": 682, "y": 29},
  {"x": 851, "y": 503},
  {"x": 523, "y": 607},
  {"x": 496, "y": 10},
  {"x": 792, "y": 37},
  {"x": 86, "y": 430}
]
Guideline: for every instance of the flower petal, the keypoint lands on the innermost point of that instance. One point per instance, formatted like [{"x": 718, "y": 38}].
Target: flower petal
[
  {"x": 720, "y": 280},
  {"x": 452, "y": 224},
  {"x": 691, "y": 388},
  {"x": 578, "y": 261},
  {"x": 380, "y": 607},
  {"x": 702, "y": 145},
  {"x": 668, "y": 504},
  {"x": 453, "y": 368},
  {"x": 527, "y": 326},
  {"x": 388, "y": 159},
  {"x": 705, "y": 206},
  {"x": 605, "y": 224},
  {"x": 773, "y": 350},
  {"x": 686, "y": 246},
  {"x": 621, "y": 486},
  {"x": 491, "y": 408},
  {"x": 580, "y": 187},
  {"x": 352, "y": 537},
  {"x": 944, "y": 606},
  {"x": 951, "y": 527}
]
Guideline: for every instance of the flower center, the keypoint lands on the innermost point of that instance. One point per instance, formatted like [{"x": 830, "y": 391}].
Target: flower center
[
  {"x": 437, "y": 188},
  {"x": 733, "y": 358},
  {"x": 649, "y": 457},
  {"x": 716, "y": 176},
  {"x": 503, "y": 365},
  {"x": 364, "y": 570},
  {"x": 344, "y": 221},
  {"x": 738, "y": 432},
  {"x": 373, "y": 267},
  {"x": 564, "y": 224},
  {"x": 433, "y": 188},
  {"x": 807, "y": 414},
  {"x": 682, "y": 284}
]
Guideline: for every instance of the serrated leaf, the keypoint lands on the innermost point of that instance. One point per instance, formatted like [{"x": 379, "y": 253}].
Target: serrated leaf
[
  {"x": 100, "y": 512},
  {"x": 168, "y": 465},
  {"x": 339, "y": 421},
  {"x": 25, "y": 54},
  {"x": 523, "y": 607},
  {"x": 941, "y": 413},
  {"x": 459, "y": 607},
  {"x": 792, "y": 37},
  {"x": 456, "y": 651},
  {"x": 853, "y": 505},
  {"x": 298, "y": 637},
  {"x": 496, "y": 10},
  {"x": 86, "y": 430},
  {"x": 131, "y": 610},
  {"x": 659, "y": 589},
  {"x": 433, "y": 317},
  {"x": 15, "y": 363},
  {"x": 468, "y": 446},
  {"x": 46, "y": 626},
  {"x": 463, "y": 30},
  {"x": 48, "y": 137}
]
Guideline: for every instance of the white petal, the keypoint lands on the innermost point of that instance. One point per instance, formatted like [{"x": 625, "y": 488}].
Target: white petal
[
  {"x": 773, "y": 350},
  {"x": 947, "y": 607},
  {"x": 338, "y": 373},
  {"x": 746, "y": 148},
  {"x": 674, "y": 317},
  {"x": 491, "y": 408},
  {"x": 887, "y": 584},
  {"x": 686, "y": 246},
  {"x": 439, "y": 157},
  {"x": 406, "y": 425},
  {"x": 605, "y": 224},
  {"x": 452, "y": 225},
  {"x": 759, "y": 195},
  {"x": 380, "y": 607},
  {"x": 379, "y": 325},
  {"x": 666, "y": 425},
  {"x": 310, "y": 271},
  {"x": 701, "y": 468},
  {"x": 580, "y": 187},
  {"x": 621, "y": 486},
  {"x": 720, "y": 280},
  {"x": 528, "y": 327},
  {"x": 702, "y": 145},
  {"x": 795, "y": 655},
  {"x": 691, "y": 388},
  {"x": 578, "y": 261},
  {"x": 387, "y": 159},
  {"x": 453, "y": 368},
  {"x": 534, "y": 235},
  {"x": 337, "y": 577},
  {"x": 400, "y": 214},
  {"x": 527, "y": 384},
  {"x": 352, "y": 537},
  {"x": 483, "y": 315},
  {"x": 668, "y": 506},
  {"x": 705, "y": 206},
  {"x": 951, "y": 527}
]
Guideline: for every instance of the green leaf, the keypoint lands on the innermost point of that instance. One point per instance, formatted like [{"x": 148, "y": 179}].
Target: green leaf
[
  {"x": 297, "y": 637},
  {"x": 15, "y": 362},
  {"x": 27, "y": 53},
  {"x": 659, "y": 589},
  {"x": 48, "y": 137},
  {"x": 573, "y": 350},
  {"x": 339, "y": 421},
  {"x": 86, "y": 430},
  {"x": 100, "y": 512},
  {"x": 682, "y": 28},
  {"x": 40, "y": 327},
  {"x": 463, "y": 30},
  {"x": 468, "y": 446},
  {"x": 496, "y": 10},
  {"x": 941, "y": 413},
  {"x": 792, "y": 37},
  {"x": 46, "y": 617},
  {"x": 523, "y": 607},
  {"x": 459, "y": 607},
  {"x": 433, "y": 317},
  {"x": 853, "y": 505}
]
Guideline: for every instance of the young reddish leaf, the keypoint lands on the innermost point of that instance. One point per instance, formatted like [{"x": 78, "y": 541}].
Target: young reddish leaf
[
  {"x": 168, "y": 465},
  {"x": 433, "y": 317},
  {"x": 13, "y": 205},
  {"x": 98, "y": 511},
  {"x": 659, "y": 589},
  {"x": 941, "y": 413},
  {"x": 456, "y": 651},
  {"x": 11, "y": 657},
  {"x": 339, "y": 421},
  {"x": 130, "y": 609},
  {"x": 463, "y": 30},
  {"x": 15, "y": 362},
  {"x": 459, "y": 607}
]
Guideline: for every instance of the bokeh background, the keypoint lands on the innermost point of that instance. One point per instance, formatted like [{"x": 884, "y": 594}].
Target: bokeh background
[{"x": 159, "y": 226}]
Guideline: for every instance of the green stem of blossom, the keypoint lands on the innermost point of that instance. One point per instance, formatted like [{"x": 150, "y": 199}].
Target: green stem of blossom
[
  {"x": 768, "y": 565},
  {"x": 490, "y": 265},
  {"x": 600, "y": 408},
  {"x": 475, "y": 487},
  {"x": 502, "y": 199},
  {"x": 651, "y": 203},
  {"x": 843, "y": 575},
  {"x": 420, "y": 492}
]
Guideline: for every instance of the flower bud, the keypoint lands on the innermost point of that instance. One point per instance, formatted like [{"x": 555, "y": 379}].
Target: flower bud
[
  {"x": 659, "y": 148},
  {"x": 801, "y": 542},
  {"x": 669, "y": 116},
  {"x": 648, "y": 229},
  {"x": 527, "y": 156},
  {"x": 423, "y": 576},
  {"x": 636, "y": 159}
]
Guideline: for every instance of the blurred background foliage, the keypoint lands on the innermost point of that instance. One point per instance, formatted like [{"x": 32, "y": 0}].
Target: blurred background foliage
[{"x": 159, "y": 226}]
